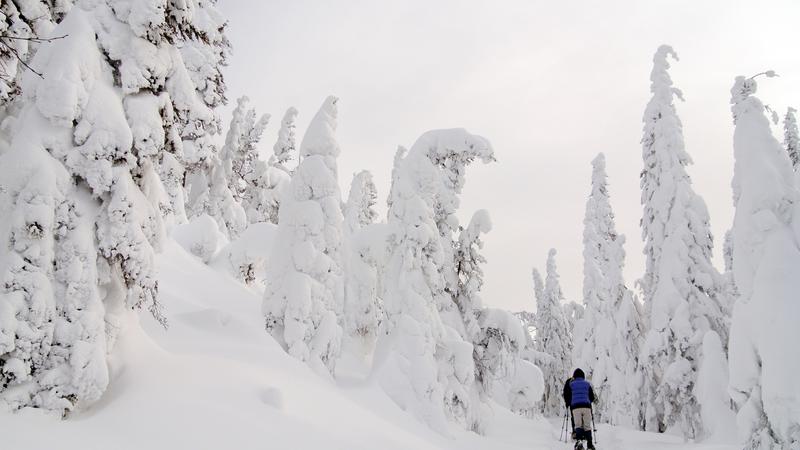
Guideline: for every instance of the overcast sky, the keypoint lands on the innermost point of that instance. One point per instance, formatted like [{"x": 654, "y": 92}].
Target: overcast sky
[{"x": 550, "y": 84}]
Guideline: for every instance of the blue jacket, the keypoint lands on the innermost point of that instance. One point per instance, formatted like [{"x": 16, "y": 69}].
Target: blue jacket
[{"x": 578, "y": 393}]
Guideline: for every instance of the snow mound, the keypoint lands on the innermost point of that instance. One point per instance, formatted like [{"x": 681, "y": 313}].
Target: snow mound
[{"x": 200, "y": 237}]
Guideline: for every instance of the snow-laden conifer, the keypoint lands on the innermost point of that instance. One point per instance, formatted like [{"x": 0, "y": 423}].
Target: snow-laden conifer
[
  {"x": 359, "y": 210},
  {"x": 83, "y": 192},
  {"x": 361, "y": 288},
  {"x": 791, "y": 137},
  {"x": 263, "y": 193},
  {"x": 553, "y": 339},
  {"x": 607, "y": 350},
  {"x": 682, "y": 289},
  {"x": 205, "y": 48},
  {"x": 304, "y": 296},
  {"x": 24, "y": 25},
  {"x": 429, "y": 368},
  {"x": 284, "y": 148},
  {"x": 240, "y": 152},
  {"x": 470, "y": 273},
  {"x": 766, "y": 269}
]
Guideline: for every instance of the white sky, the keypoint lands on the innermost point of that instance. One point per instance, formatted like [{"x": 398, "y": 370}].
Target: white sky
[{"x": 549, "y": 83}]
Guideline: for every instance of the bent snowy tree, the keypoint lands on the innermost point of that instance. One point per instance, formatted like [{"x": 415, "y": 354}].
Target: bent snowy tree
[{"x": 429, "y": 366}]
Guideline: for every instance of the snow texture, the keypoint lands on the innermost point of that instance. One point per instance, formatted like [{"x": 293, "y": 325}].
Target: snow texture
[{"x": 766, "y": 269}]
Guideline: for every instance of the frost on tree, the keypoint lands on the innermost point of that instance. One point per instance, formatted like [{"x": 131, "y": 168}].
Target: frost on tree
[
  {"x": 428, "y": 368},
  {"x": 284, "y": 147},
  {"x": 553, "y": 339},
  {"x": 766, "y": 268},
  {"x": 304, "y": 296},
  {"x": 267, "y": 181},
  {"x": 24, "y": 26},
  {"x": 682, "y": 289},
  {"x": 240, "y": 152},
  {"x": 204, "y": 49},
  {"x": 791, "y": 137},
  {"x": 361, "y": 286},
  {"x": 470, "y": 273},
  {"x": 607, "y": 337},
  {"x": 85, "y": 197},
  {"x": 264, "y": 191}
]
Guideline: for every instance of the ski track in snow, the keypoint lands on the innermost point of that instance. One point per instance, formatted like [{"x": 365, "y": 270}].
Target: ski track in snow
[{"x": 215, "y": 379}]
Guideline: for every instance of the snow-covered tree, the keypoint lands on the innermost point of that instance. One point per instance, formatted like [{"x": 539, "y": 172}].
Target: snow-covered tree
[
  {"x": 553, "y": 338},
  {"x": 497, "y": 347},
  {"x": 791, "y": 137},
  {"x": 205, "y": 48},
  {"x": 263, "y": 192},
  {"x": 285, "y": 145},
  {"x": 84, "y": 196},
  {"x": 766, "y": 268},
  {"x": 469, "y": 271},
  {"x": 360, "y": 207},
  {"x": 573, "y": 312},
  {"x": 361, "y": 288},
  {"x": 240, "y": 152},
  {"x": 682, "y": 289},
  {"x": 220, "y": 202},
  {"x": 264, "y": 182},
  {"x": 24, "y": 25},
  {"x": 606, "y": 350},
  {"x": 538, "y": 287},
  {"x": 429, "y": 366},
  {"x": 304, "y": 296}
]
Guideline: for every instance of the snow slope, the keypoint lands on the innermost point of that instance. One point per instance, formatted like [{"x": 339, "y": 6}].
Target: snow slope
[{"x": 216, "y": 379}]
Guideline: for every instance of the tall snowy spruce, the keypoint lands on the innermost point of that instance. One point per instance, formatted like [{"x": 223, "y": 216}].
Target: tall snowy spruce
[
  {"x": 553, "y": 339},
  {"x": 304, "y": 296},
  {"x": 240, "y": 152},
  {"x": 791, "y": 137},
  {"x": 284, "y": 147},
  {"x": 607, "y": 338},
  {"x": 766, "y": 268},
  {"x": 84, "y": 195},
  {"x": 469, "y": 271},
  {"x": 266, "y": 182},
  {"x": 361, "y": 286},
  {"x": 682, "y": 289},
  {"x": 427, "y": 366}
]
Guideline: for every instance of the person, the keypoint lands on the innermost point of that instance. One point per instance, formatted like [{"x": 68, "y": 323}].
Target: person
[{"x": 579, "y": 396}]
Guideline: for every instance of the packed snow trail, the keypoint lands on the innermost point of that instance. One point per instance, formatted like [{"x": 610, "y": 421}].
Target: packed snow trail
[{"x": 216, "y": 379}]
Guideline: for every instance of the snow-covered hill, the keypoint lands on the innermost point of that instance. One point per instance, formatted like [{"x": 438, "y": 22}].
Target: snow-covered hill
[{"x": 216, "y": 379}]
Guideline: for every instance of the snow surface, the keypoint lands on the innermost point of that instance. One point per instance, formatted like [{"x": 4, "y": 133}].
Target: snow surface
[{"x": 215, "y": 379}]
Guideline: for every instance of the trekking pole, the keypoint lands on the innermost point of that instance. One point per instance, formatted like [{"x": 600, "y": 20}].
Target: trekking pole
[
  {"x": 563, "y": 429},
  {"x": 594, "y": 428}
]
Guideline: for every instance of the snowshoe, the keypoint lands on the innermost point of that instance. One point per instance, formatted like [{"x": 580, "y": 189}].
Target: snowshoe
[{"x": 579, "y": 445}]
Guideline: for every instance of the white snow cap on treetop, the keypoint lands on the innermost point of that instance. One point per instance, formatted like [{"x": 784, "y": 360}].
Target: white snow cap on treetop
[
  {"x": 320, "y": 137},
  {"x": 661, "y": 83},
  {"x": 742, "y": 89},
  {"x": 441, "y": 143}
]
